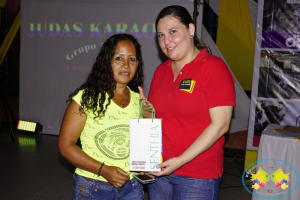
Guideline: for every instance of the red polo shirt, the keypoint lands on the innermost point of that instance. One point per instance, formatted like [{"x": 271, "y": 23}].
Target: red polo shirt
[{"x": 183, "y": 106}]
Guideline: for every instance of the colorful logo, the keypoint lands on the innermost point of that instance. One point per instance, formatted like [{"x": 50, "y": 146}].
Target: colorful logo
[
  {"x": 138, "y": 167},
  {"x": 270, "y": 178}
]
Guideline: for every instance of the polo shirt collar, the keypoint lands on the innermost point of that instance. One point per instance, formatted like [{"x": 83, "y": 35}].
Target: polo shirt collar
[{"x": 201, "y": 57}]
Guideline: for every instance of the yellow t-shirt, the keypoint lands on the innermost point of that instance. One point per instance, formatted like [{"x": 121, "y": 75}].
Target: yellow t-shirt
[{"x": 107, "y": 140}]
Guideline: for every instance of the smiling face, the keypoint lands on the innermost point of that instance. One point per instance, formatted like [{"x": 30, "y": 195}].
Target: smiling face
[
  {"x": 174, "y": 38},
  {"x": 124, "y": 63}
]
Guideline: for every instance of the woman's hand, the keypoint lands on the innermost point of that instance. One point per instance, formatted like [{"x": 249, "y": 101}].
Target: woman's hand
[
  {"x": 114, "y": 175},
  {"x": 168, "y": 167},
  {"x": 146, "y": 107}
]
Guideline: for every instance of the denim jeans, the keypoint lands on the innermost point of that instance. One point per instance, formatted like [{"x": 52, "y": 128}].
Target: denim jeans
[
  {"x": 85, "y": 189},
  {"x": 174, "y": 187}
]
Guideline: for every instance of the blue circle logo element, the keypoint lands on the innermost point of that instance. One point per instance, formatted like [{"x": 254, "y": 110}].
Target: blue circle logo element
[{"x": 272, "y": 179}]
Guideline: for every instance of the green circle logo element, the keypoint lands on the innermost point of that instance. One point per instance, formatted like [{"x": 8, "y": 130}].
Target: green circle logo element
[{"x": 113, "y": 142}]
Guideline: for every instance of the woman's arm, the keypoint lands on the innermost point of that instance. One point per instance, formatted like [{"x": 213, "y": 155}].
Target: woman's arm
[
  {"x": 220, "y": 120},
  {"x": 71, "y": 128}
]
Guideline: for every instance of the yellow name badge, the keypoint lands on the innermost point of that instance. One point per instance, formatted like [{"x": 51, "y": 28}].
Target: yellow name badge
[{"x": 187, "y": 85}]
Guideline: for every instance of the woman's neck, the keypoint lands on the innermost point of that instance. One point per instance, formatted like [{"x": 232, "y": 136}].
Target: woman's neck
[
  {"x": 121, "y": 89},
  {"x": 187, "y": 59},
  {"x": 121, "y": 96},
  {"x": 177, "y": 65}
]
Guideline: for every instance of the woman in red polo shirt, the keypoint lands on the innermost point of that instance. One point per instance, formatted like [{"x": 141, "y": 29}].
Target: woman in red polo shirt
[{"x": 193, "y": 93}]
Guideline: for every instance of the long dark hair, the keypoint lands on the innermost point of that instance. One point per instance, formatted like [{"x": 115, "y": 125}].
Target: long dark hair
[
  {"x": 101, "y": 80},
  {"x": 184, "y": 17}
]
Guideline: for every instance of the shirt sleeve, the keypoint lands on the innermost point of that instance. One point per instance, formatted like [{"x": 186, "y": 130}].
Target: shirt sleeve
[
  {"x": 219, "y": 84},
  {"x": 77, "y": 97},
  {"x": 152, "y": 86}
]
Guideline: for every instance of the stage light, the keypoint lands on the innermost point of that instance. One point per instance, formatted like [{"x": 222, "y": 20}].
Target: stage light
[{"x": 29, "y": 126}]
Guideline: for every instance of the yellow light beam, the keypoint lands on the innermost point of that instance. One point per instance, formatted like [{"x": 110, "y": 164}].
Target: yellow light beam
[
  {"x": 9, "y": 37},
  {"x": 3, "y": 3}
]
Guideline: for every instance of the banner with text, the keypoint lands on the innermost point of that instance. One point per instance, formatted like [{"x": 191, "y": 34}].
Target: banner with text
[
  {"x": 276, "y": 73},
  {"x": 60, "y": 41}
]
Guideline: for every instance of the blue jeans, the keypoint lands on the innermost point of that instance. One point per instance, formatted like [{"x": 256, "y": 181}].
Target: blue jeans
[
  {"x": 174, "y": 187},
  {"x": 85, "y": 189}
]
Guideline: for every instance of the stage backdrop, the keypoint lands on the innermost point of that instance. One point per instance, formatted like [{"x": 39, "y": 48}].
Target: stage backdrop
[
  {"x": 276, "y": 78},
  {"x": 60, "y": 41}
]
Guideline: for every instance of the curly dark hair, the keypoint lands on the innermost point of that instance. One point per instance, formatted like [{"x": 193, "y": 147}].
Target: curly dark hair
[
  {"x": 185, "y": 18},
  {"x": 101, "y": 80}
]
